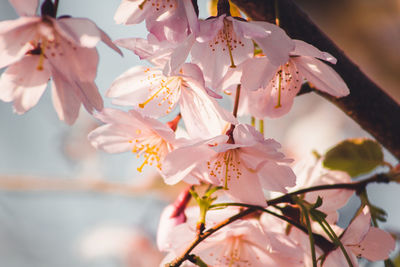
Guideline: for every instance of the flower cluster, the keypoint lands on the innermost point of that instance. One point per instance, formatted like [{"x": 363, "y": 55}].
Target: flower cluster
[{"x": 195, "y": 62}]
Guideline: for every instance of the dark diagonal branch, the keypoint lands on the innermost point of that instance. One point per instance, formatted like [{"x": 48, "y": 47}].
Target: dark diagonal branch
[{"x": 367, "y": 104}]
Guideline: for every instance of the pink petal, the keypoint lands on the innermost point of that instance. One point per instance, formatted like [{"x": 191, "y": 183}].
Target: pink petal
[
  {"x": 322, "y": 76},
  {"x": 74, "y": 62},
  {"x": 78, "y": 67},
  {"x": 129, "y": 12},
  {"x": 179, "y": 55},
  {"x": 275, "y": 177},
  {"x": 65, "y": 102},
  {"x": 376, "y": 245},
  {"x": 25, "y": 7},
  {"x": 249, "y": 30},
  {"x": 209, "y": 28},
  {"x": 337, "y": 259},
  {"x": 147, "y": 90},
  {"x": 152, "y": 50},
  {"x": 202, "y": 115},
  {"x": 191, "y": 16},
  {"x": 166, "y": 226},
  {"x": 276, "y": 46},
  {"x": 357, "y": 229},
  {"x": 111, "y": 138},
  {"x": 180, "y": 162},
  {"x": 83, "y": 32},
  {"x": 171, "y": 26},
  {"x": 257, "y": 73},
  {"x": 304, "y": 49},
  {"x": 14, "y": 38},
  {"x": 264, "y": 102},
  {"x": 246, "y": 188},
  {"x": 24, "y": 84}
]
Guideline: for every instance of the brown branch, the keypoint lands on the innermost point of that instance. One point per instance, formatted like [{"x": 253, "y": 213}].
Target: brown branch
[
  {"x": 324, "y": 244},
  {"x": 368, "y": 105}
]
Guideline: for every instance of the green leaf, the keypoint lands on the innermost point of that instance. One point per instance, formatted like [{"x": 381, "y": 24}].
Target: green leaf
[{"x": 354, "y": 156}]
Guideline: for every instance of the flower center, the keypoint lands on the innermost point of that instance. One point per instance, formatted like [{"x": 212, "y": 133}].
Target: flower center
[
  {"x": 152, "y": 148},
  {"x": 287, "y": 80},
  {"x": 225, "y": 166},
  {"x": 165, "y": 90},
  {"x": 226, "y": 39}
]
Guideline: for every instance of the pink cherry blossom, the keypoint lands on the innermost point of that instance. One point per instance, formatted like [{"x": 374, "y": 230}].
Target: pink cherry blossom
[
  {"x": 360, "y": 239},
  {"x": 131, "y": 131},
  {"x": 163, "y": 54},
  {"x": 274, "y": 97},
  {"x": 37, "y": 48},
  {"x": 310, "y": 172},
  {"x": 169, "y": 20},
  {"x": 241, "y": 243},
  {"x": 244, "y": 167},
  {"x": 155, "y": 94},
  {"x": 224, "y": 42}
]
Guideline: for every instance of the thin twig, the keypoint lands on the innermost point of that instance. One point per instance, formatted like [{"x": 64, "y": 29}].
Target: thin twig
[{"x": 357, "y": 186}]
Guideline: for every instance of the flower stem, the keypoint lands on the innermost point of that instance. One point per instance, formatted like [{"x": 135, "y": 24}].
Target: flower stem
[
  {"x": 327, "y": 228},
  {"x": 237, "y": 97},
  {"x": 310, "y": 233}
]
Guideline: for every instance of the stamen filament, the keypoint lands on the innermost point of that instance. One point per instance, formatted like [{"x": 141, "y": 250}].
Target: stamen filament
[
  {"x": 142, "y": 4},
  {"x": 142, "y": 105},
  {"x": 228, "y": 44},
  {"x": 41, "y": 56},
  {"x": 227, "y": 158},
  {"x": 278, "y": 105}
]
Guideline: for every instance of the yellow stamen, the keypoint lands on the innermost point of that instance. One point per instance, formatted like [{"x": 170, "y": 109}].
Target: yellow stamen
[{"x": 163, "y": 85}]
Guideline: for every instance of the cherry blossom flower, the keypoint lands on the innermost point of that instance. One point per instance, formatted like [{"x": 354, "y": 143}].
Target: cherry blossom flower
[
  {"x": 163, "y": 54},
  {"x": 168, "y": 20},
  {"x": 37, "y": 48},
  {"x": 241, "y": 243},
  {"x": 274, "y": 97},
  {"x": 244, "y": 167},
  {"x": 172, "y": 216},
  {"x": 154, "y": 94},
  {"x": 311, "y": 172},
  {"x": 224, "y": 42},
  {"x": 131, "y": 131},
  {"x": 360, "y": 239}
]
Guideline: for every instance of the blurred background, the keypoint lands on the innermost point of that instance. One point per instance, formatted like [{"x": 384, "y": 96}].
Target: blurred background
[{"x": 62, "y": 203}]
